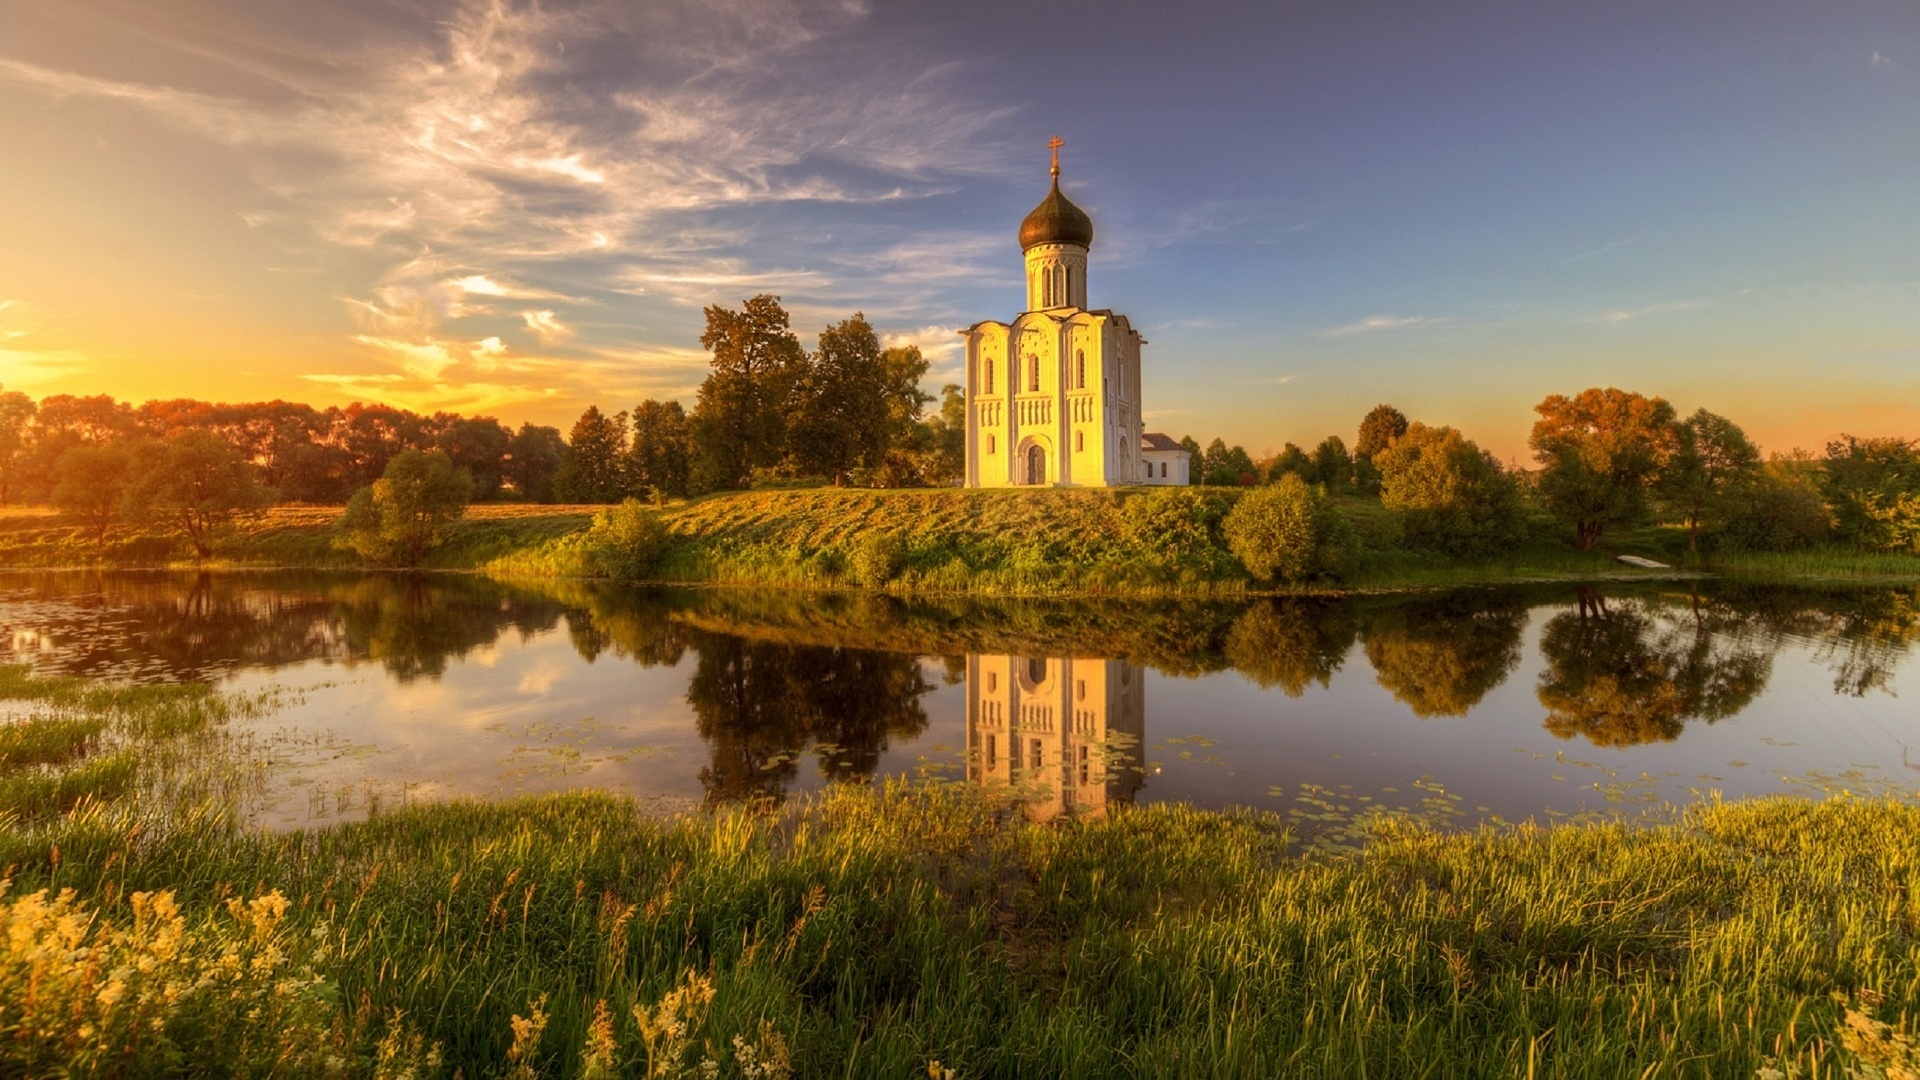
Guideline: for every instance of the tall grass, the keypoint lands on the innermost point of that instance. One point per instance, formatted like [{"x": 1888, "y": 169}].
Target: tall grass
[{"x": 877, "y": 932}]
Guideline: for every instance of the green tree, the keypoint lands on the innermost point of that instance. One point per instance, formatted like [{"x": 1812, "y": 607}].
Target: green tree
[
  {"x": 92, "y": 485},
  {"x": 1712, "y": 473},
  {"x": 842, "y": 417},
  {"x": 478, "y": 445},
  {"x": 1291, "y": 461},
  {"x": 660, "y": 458},
  {"x": 1783, "y": 509},
  {"x": 406, "y": 513},
  {"x": 1873, "y": 488},
  {"x": 1287, "y": 531},
  {"x": 1332, "y": 465},
  {"x": 1291, "y": 644},
  {"x": 1224, "y": 465},
  {"x": 534, "y": 456},
  {"x": 740, "y": 419},
  {"x": 1600, "y": 453},
  {"x": 16, "y": 419},
  {"x": 595, "y": 468},
  {"x": 1378, "y": 429},
  {"x": 196, "y": 483},
  {"x": 1196, "y": 462},
  {"x": 1450, "y": 495},
  {"x": 947, "y": 438},
  {"x": 1440, "y": 657}
]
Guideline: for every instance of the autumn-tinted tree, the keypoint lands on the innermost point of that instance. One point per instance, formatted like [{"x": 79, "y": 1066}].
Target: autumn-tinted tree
[
  {"x": 406, "y": 513},
  {"x": 1600, "y": 453},
  {"x": 534, "y": 455},
  {"x": 595, "y": 467},
  {"x": 659, "y": 459},
  {"x": 1450, "y": 495},
  {"x": 740, "y": 419},
  {"x": 16, "y": 414},
  {"x": 194, "y": 482},
  {"x": 62, "y": 423},
  {"x": 92, "y": 485}
]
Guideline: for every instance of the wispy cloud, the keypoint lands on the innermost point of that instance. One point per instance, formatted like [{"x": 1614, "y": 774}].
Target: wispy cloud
[
  {"x": 1879, "y": 59},
  {"x": 523, "y": 151},
  {"x": 1373, "y": 323},
  {"x": 1603, "y": 249},
  {"x": 1665, "y": 307}
]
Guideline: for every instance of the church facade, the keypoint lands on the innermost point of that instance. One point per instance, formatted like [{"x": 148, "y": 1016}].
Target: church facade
[{"x": 1053, "y": 397}]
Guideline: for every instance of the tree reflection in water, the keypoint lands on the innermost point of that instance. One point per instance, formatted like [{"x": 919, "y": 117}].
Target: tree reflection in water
[
  {"x": 1634, "y": 672},
  {"x": 1441, "y": 656},
  {"x": 1292, "y": 644},
  {"x": 760, "y": 704}
]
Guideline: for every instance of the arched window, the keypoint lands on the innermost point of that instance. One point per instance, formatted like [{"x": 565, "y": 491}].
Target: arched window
[
  {"x": 1067, "y": 291},
  {"x": 1036, "y": 670},
  {"x": 986, "y": 376},
  {"x": 989, "y": 444},
  {"x": 1033, "y": 376},
  {"x": 1080, "y": 369},
  {"x": 1079, "y": 441}
]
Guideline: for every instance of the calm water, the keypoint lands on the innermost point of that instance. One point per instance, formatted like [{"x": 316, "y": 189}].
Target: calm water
[{"x": 1510, "y": 703}]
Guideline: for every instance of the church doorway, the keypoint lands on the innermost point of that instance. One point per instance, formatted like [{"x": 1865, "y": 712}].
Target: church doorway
[{"x": 1036, "y": 465}]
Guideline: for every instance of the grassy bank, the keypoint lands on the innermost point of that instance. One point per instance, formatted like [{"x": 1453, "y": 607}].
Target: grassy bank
[
  {"x": 1006, "y": 543},
  {"x": 875, "y": 933}
]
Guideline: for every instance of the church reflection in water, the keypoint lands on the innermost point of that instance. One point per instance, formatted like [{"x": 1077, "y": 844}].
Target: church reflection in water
[{"x": 1064, "y": 734}]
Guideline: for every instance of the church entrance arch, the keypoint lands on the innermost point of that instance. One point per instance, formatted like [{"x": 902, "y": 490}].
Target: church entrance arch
[{"x": 1031, "y": 463}]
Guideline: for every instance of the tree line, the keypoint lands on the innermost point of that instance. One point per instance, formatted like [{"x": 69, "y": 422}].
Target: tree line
[{"x": 1605, "y": 460}]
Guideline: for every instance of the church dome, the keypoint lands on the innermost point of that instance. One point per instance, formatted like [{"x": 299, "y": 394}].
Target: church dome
[{"x": 1056, "y": 221}]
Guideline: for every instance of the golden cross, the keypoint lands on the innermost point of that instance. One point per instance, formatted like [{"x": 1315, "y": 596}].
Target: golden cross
[{"x": 1054, "y": 144}]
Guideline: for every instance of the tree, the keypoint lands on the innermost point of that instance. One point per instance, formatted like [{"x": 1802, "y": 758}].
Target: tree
[
  {"x": 841, "y": 418},
  {"x": 595, "y": 467},
  {"x": 1873, "y": 487},
  {"x": 534, "y": 455},
  {"x": 478, "y": 445},
  {"x": 1378, "y": 429},
  {"x": 1450, "y": 495},
  {"x": 16, "y": 415},
  {"x": 407, "y": 512},
  {"x": 1600, "y": 453},
  {"x": 1291, "y": 644},
  {"x": 92, "y": 486},
  {"x": 1287, "y": 531},
  {"x": 195, "y": 482},
  {"x": 1226, "y": 466},
  {"x": 1440, "y": 657},
  {"x": 740, "y": 418},
  {"x": 1291, "y": 461},
  {"x": 1713, "y": 469},
  {"x": 1332, "y": 465},
  {"x": 947, "y": 431},
  {"x": 660, "y": 457}
]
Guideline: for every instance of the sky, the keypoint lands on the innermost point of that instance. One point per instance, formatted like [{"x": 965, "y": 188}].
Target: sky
[{"x": 520, "y": 209}]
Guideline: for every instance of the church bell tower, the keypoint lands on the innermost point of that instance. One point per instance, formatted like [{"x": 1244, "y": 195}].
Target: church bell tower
[{"x": 1055, "y": 238}]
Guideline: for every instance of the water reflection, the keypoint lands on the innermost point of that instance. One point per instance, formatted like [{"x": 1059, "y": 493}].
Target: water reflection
[
  {"x": 747, "y": 695},
  {"x": 1061, "y": 732}
]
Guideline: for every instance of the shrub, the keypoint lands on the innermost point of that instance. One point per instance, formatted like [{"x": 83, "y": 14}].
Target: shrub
[
  {"x": 1779, "y": 515},
  {"x": 627, "y": 541},
  {"x": 1288, "y": 531},
  {"x": 1180, "y": 525},
  {"x": 876, "y": 559},
  {"x": 1450, "y": 495},
  {"x": 1873, "y": 487},
  {"x": 406, "y": 513}
]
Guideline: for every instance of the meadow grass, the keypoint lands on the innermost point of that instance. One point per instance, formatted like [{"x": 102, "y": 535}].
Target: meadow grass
[{"x": 914, "y": 929}]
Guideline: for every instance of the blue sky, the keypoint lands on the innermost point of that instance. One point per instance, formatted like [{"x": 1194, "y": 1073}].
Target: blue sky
[{"x": 1310, "y": 208}]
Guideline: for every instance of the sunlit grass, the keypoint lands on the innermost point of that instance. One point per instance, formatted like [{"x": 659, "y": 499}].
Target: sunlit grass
[{"x": 872, "y": 932}]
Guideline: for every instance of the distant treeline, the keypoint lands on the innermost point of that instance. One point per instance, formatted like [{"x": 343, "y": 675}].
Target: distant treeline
[
  {"x": 1606, "y": 459},
  {"x": 848, "y": 411}
]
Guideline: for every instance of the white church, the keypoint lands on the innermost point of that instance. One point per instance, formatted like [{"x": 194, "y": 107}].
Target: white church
[{"x": 1053, "y": 398}]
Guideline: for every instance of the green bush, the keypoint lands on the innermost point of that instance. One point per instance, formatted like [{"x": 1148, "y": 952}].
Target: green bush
[
  {"x": 1779, "y": 515},
  {"x": 1288, "y": 531},
  {"x": 1450, "y": 495},
  {"x": 1178, "y": 524},
  {"x": 627, "y": 541},
  {"x": 408, "y": 511},
  {"x": 876, "y": 559}
]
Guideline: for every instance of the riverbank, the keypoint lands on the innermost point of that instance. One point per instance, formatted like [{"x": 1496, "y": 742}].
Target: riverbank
[
  {"x": 873, "y": 933},
  {"x": 925, "y": 541}
]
